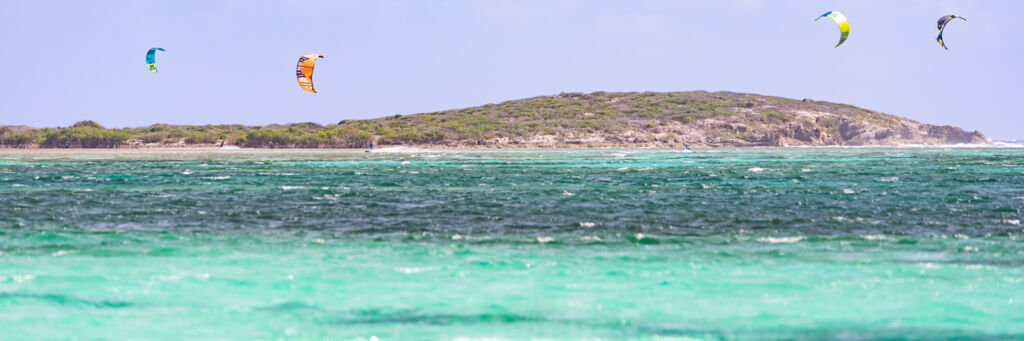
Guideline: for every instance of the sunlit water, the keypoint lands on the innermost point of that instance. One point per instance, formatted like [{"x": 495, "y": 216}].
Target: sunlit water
[{"x": 796, "y": 243}]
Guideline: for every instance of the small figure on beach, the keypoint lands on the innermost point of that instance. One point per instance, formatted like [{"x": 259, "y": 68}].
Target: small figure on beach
[{"x": 371, "y": 144}]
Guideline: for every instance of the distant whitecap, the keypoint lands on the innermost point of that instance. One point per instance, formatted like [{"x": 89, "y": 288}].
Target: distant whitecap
[{"x": 780, "y": 240}]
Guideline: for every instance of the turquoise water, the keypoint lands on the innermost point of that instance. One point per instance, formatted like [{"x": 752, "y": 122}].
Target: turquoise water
[{"x": 795, "y": 243}]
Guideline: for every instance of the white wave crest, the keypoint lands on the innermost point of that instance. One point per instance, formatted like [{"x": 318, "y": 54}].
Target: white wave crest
[
  {"x": 780, "y": 240},
  {"x": 408, "y": 271}
]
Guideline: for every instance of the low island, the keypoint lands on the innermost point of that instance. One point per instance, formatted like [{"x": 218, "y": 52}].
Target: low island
[{"x": 599, "y": 119}]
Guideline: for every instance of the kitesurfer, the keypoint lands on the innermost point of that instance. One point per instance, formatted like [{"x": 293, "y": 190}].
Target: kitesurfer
[{"x": 371, "y": 144}]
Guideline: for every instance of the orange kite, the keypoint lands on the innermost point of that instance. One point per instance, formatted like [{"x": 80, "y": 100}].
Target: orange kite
[{"x": 304, "y": 71}]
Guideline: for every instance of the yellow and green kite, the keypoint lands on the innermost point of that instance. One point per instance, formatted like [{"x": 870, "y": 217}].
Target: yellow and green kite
[{"x": 844, "y": 25}]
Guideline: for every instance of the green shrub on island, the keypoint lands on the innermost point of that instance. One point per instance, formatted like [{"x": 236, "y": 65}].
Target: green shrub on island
[
  {"x": 19, "y": 139},
  {"x": 87, "y": 124},
  {"x": 84, "y": 136},
  {"x": 297, "y": 137}
]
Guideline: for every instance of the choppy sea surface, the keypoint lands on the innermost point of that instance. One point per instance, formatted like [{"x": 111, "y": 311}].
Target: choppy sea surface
[{"x": 405, "y": 244}]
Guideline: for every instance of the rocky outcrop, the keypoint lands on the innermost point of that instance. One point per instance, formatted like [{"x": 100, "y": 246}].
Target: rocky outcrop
[{"x": 702, "y": 119}]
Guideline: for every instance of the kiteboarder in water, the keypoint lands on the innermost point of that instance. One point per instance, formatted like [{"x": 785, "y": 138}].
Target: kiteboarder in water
[
  {"x": 371, "y": 144},
  {"x": 687, "y": 146}
]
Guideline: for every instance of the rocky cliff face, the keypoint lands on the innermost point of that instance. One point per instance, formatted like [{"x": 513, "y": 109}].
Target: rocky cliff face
[{"x": 809, "y": 129}]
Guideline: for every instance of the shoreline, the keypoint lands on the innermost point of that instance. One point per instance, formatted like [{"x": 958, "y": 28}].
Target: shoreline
[{"x": 423, "y": 148}]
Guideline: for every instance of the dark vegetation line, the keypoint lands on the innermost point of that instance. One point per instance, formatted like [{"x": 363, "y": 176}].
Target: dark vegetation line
[{"x": 89, "y": 134}]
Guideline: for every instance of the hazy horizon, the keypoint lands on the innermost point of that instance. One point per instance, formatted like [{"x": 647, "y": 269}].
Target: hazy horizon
[{"x": 232, "y": 62}]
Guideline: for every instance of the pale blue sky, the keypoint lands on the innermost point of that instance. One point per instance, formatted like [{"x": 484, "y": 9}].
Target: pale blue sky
[{"x": 234, "y": 61}]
